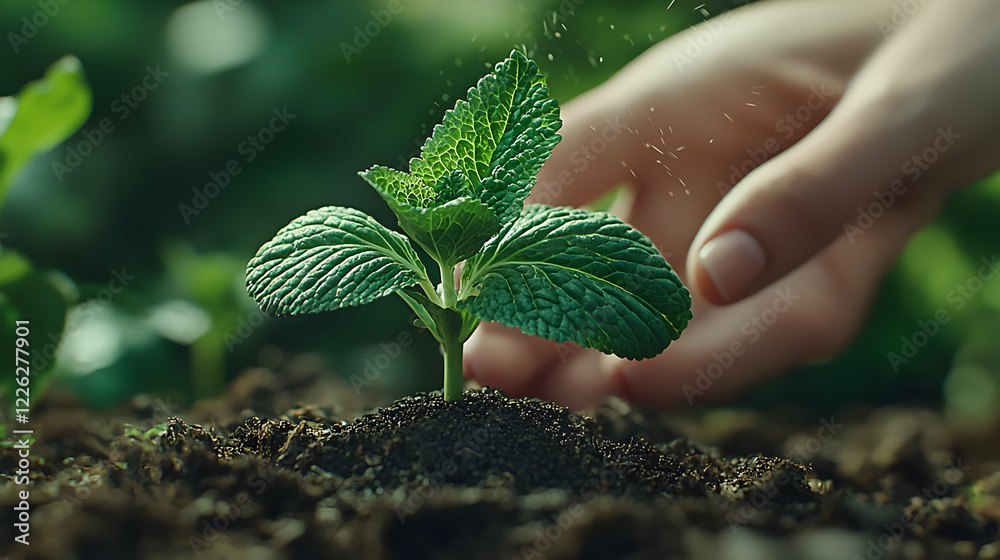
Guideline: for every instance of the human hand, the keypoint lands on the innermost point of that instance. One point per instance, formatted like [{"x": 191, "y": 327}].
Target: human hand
[{"x": 784, "y": 267}]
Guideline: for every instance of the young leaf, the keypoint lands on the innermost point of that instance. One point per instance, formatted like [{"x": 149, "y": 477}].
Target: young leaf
[
  {"x": 450, "y": 232},
  {"x": 488, "y": 148},
  {"x": 422, "y": 307},
  {"x": 568, "y": 274},
  {"x": 399, "y": 188},
  {"x": 499, "y": 138},
  {"x": 330, "y": 258},
  {"x": 43, "y": 114}
]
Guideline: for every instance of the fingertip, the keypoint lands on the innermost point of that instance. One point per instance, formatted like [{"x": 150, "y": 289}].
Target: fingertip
[
  {"x": 582, "y": 382},
  {"x": 728, "y": 266},
  {"x": 498, "y": 358}
]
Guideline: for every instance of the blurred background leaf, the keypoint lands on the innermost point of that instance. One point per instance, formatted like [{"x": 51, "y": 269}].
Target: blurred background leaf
[{"x": 43, "y": 114}]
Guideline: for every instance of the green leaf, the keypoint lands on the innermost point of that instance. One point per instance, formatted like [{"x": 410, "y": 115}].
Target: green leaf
[
  {"x": 440, "y": 321},
  {"x": 398, "y": 187},
  {"x": 450, "y": 187},
  {"x": 43, "y": 114},
  {"x": 499, "y": 138},
  {"x": 331, "y": 258},
  {"x": 42, "y": 297},
  {"x": 451, "y": 232},
  {"x": 422, "y": 307},
  {"x": 488, "y": 148},
  {"x": 568, "y": 274}
]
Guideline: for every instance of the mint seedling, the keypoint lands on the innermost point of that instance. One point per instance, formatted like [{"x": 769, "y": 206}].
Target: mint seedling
[{"x": 558, "y": 273}]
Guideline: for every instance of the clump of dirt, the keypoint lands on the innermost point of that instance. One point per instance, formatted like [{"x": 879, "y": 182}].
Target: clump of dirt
[{"x": 489, "y": 440}]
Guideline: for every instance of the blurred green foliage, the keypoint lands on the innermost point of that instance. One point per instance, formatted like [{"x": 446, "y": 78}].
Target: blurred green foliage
[
  {"x": 184, "y": 106},
  {"x": 41, "y": 115}
]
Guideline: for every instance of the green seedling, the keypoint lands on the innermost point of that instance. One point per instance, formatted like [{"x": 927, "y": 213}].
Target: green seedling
[{"x": 559, "y": 273}]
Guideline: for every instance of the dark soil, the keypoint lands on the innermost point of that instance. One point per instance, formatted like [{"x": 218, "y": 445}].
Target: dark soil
[{"x": 493, "y": 477}]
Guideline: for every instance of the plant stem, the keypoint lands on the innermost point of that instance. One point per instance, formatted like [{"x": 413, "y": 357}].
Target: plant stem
[
  {"x": 453, "y": 379},
  {"x": 451, "y": 331},
  {"x": 448, "y": 286}
]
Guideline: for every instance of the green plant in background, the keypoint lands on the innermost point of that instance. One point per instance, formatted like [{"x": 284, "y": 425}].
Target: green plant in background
[
  {"x": 559, "y": 273},
  {"x": 43, "y": 114},
  {"x": 211, "y": 283},
  {"x": 39, "y": 117}
]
